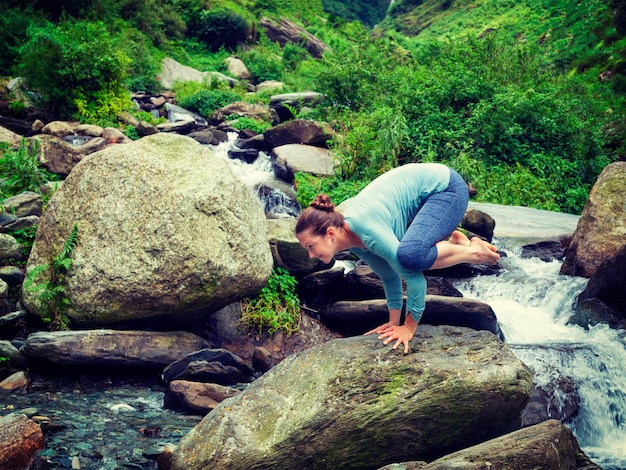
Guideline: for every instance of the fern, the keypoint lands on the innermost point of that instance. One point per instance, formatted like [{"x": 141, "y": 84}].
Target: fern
[{"x": 52, "y": 292}]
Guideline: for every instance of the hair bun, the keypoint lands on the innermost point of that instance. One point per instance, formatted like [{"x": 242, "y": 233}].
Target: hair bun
[{"x": 323, "y": 202}]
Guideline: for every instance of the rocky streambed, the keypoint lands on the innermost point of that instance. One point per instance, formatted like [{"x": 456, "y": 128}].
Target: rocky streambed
[{"x": 108, "y": 420}]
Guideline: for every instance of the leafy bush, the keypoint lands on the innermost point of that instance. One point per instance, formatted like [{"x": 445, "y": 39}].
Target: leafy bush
[
  {"x": 205, "y": 102},
  {"x": 275, "y": 307},
  {"x": 218, "y": 27},
  {"x": 251, "y": 124},
  {"x": 14, "y": 22},
  {"x": 77, "y": 69},
  {"x": 263, "y": 63},
  {"x": 20, "y": 170}
]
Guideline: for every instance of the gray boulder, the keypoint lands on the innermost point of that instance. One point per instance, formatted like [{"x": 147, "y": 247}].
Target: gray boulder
[
  {"x": 284, "y": 32},
  {"x": 300, "y": 131},
  {"x": 601, "y": 232},
  {"x": 546, "y": 445},
  {"x": 112, "y": 347},
  {"x": 359, "y": 316},
  {"x": 290, "y": 159},
  {"x": 172, "y": 236},
  {"x": 354, "y": 403}
]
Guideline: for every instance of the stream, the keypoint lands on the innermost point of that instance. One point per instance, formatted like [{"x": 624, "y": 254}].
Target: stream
[{"x": 99, "y": 424}]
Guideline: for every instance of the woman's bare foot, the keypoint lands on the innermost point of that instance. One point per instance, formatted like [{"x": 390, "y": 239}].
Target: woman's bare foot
[
  {"x": 489, "y": 251},
  {"x": 459, "y": 238}
]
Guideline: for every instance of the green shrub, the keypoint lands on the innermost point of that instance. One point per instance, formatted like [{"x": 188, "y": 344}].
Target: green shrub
[
  {"x": 77, "y": 69},
  {"x": 251, "y": 124},
  {"x": 205, "y": 102},
  {"x": 263, "y": 63},
  {"x": 20, "y": 170},
  {"x": 338, "y": 189},
  {"x": 219, "y": 27},
  {"x": 275, "y": 307}
]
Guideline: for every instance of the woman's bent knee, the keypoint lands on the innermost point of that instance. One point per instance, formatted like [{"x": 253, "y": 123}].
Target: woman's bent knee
[{"x": 415, "y": 256}]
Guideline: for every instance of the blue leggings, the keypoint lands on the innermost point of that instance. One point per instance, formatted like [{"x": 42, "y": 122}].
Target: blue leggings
[{"x": 438, "y": 217}]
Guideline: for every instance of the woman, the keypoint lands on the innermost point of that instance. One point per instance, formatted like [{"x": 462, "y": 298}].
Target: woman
[{"x": 401, "y": 224}]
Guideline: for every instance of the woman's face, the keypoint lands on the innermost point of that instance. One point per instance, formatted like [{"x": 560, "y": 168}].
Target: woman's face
[{"x": 318, "y": 246}]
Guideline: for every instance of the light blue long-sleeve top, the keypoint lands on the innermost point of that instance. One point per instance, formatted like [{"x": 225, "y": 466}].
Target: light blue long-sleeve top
[{"x": 380, "y": 215}]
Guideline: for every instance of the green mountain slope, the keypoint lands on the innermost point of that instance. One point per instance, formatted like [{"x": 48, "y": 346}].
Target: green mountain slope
[{"x": 574, "y": 33}]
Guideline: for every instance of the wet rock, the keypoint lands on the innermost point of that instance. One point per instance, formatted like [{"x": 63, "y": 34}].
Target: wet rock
[
  {"x": 603, "y": 298},
  {"x": 289, "y": 159},
  {"x": 353, "y": 403},
  {"x": 195, "y": 397},
  {"x": 210, "y": 366},
  {"x": 112, "y": 347},
  {"x": 23, "y": 204},
  {"x": 299, "y": 131},
  {"x": 358, "y": 317},
  {"x": 555, "y": 400},
  {"x": 17, "y": 382},
  {"x": 547, "y": 445},
  {"x": 600, "y": 233},
  {"x": 545, "y": 250},
  {"x": 245, "y": 155},
  {"x": 479, "y": 223},
  {"x": 20, "y": 440}
]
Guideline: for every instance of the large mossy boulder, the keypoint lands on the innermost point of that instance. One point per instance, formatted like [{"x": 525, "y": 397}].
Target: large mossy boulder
[
  {"x": 354, "y": 403},
  {"x": 601, "y": 230},
  {"x": 166, "y": 233}
]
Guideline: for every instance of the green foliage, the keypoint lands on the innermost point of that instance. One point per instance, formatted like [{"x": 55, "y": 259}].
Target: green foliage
[
  {"x": 14, "y": 21},
  {"x": 218, "y": 27},
  {"x": 20, "y": 170},
  {"x": 251, "y": 124},
  {"x": 264, "y": 63},
  {"x": 369, "y": 13},
  {"x": 275, "y": 307},
  {"x": 205, "y": 102},
  {"x": 77, "y": 69},
  {"x": 52, "y": 291},
  {"x": 25, "y": 237},
  {"x": 487, "y": 100},
  {"x": 338, "y": 189}
]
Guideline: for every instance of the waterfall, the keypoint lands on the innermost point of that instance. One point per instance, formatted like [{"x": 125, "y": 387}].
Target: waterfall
[
  {"x": 277, "y": 197},
  {"x": 533, "y": 304}
]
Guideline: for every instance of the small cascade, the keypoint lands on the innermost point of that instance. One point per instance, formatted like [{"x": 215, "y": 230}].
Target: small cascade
[
  {"x": 533, "y": 303},
  {"x": 278, "y": 197}
]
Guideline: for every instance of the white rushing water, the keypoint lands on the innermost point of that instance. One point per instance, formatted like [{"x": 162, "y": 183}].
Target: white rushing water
[{"x": 533, "y": 304}]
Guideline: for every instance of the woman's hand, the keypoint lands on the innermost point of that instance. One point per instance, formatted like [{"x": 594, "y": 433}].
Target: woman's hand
[
  {"x": 390, "y": 332},
  {"x": 382, "y": 328}
]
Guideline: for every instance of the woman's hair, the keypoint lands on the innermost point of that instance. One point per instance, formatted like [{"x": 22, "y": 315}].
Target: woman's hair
[{"x": 319, "y": 216}]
